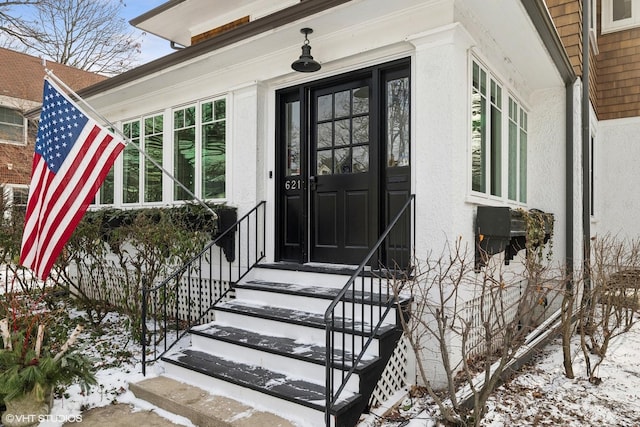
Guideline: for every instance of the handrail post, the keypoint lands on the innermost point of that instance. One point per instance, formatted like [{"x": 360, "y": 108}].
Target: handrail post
[{"x": 143, "y": 338}]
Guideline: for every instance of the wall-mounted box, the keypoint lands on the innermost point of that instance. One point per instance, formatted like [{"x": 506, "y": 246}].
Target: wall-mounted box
[{"x": 502, "y": 229}]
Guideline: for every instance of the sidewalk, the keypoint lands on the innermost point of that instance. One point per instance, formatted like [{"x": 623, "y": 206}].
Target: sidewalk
[{"x": 120, "y": 415}]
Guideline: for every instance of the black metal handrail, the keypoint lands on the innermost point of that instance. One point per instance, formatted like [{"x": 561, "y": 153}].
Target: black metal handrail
[
  {"x": 393, "y": 249},
  {"x": 186, "y": 298}
]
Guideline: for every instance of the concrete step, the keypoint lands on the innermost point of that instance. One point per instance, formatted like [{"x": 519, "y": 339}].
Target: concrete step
[
  {"x": 277, "y": 353},
  {"x": 300, "y": 325},
  {"x": 360, "y": 304},
  {"x": 301, "y": 400},
  {"x": 200, "y": 407}
]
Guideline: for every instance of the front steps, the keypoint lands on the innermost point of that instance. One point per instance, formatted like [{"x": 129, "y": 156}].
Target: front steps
[{"x": 267, "y": 346}]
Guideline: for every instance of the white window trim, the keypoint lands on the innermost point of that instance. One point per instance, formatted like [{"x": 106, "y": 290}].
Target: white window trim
[
  {"x": 477, "y": 197},
  {"x": 607, "y": 23}
]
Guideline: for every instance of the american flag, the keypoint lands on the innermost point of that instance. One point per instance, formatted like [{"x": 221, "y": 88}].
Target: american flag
[{"x": 73, "y": 155}]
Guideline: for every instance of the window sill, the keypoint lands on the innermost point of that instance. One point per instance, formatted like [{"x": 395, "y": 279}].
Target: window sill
[{"x": 479, "y": 199}]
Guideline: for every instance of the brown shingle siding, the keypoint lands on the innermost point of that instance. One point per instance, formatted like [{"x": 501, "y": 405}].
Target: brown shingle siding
[
  {"x": 567, "y": 17},
  {"x": 618, "y": 67}
]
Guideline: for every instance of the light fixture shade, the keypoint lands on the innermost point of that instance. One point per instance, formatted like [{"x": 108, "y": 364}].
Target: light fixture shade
[{"x": 306, "y": 63}]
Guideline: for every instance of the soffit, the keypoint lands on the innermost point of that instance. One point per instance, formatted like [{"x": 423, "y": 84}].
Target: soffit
[
  {"x": 520, "y": 49},
  {"x": 179, "y": 20}
]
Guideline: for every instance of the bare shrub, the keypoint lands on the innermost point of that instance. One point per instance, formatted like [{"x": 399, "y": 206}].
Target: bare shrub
[{"x": 478, "y": 320}]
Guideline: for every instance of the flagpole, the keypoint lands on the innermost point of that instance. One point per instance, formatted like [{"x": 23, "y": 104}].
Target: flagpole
[{"x": 128, "y": 140}]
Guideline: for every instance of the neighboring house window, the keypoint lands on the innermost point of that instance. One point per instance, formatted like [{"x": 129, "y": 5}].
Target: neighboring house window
[
  {"x": 14, "y": 199},
  {"x": 497, "y": 169},
  {"x": 620, "y": 15},
  {"x": 12, "y": 126},
  {"x": 199, "y": 147}
]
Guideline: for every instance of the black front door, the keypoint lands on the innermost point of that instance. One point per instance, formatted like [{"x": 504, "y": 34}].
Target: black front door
[
  {"x": 343, "y": 183},
  {"x": 332, "y": 168}
]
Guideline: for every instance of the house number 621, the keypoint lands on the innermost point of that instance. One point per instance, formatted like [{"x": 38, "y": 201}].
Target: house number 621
[{"x": 293, "y": 184}]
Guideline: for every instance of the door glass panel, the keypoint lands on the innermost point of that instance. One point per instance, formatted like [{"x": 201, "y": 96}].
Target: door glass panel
[
  {"x": 342, "y": 104},
  {"x": 343, "y": 160},
  {"x": 324, "y": 108},
  {"x": 292, "y": 117},
  {"x": 325, "y": 162},
  {"x": 343, "y": 132},
  {"x": 360, "y": 159},
  {"x": 325, "y": 134},
  {"x": 361, "y": 100},
  {"x": 361, "y": 130},
  {"x": 398, "y": 122}
]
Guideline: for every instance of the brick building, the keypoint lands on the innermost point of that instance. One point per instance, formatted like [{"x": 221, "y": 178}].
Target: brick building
[{"x": 21, "y": 78}]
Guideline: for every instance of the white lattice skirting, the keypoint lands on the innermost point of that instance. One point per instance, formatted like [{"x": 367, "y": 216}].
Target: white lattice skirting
[{"x": 394, "y": 376}]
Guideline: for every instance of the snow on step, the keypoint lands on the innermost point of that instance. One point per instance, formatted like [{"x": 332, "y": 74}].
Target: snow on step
[{"x": 293, "y": 396}]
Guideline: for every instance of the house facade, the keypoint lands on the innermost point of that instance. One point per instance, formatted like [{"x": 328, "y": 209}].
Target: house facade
[
  {"x": 21, "y": 80},
  {"x": 435, "y": 102}
]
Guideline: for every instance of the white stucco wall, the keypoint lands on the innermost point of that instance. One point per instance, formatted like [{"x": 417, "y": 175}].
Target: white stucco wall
[
  {"x": 439, "y": 36},
  {"x": 617, "y": 181}
]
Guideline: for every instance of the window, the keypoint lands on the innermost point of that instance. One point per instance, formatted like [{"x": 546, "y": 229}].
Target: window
[
  {"x": 517, "y": 152},
  {"x": 147, "y": 134},
  {"x": 592, "y": 168},
  {"x": 620, "y": 15},
  {"x": 486, "y": 133},
  {"x": 12, "y": 126},
  {"x": 199, "y": 138},
  {"x": 497, "y": 169}
]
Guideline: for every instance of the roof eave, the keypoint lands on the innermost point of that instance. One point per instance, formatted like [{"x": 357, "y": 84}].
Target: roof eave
[{"x": 269, "y": 22}]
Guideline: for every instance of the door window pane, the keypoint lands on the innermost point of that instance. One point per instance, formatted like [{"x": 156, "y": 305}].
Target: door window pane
[
  {"x": 343, "y": 160},
  {"x": 342, "y": 132},
  {"x": 398, "y": 122},
  {"x": 361, "y": 100},
  {"x": 325, "y": 162},
  {"x": 361, "y": 130},
  {"x": 342, "y": 104},
  {"x": 325, "y": 135},
  {"x": 360, "y": 159},
  {"x": 324, "y": 108},
  {"x": 292, "y": 137}
]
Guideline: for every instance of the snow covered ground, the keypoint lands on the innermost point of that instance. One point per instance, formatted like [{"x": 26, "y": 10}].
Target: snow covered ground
[
  {"x": 542, "y": 396},
  {"x": 539, "y": 396}
]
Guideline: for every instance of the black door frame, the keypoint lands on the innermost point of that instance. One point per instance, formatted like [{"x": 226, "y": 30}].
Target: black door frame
[{"x": 292, "y": 240}]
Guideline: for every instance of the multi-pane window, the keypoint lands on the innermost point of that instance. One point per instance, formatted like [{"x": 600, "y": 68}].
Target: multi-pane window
[
  {"x": 517, "y": 152},
  {"x": 131, "y": 163},
  {"x": 486, "y": 133},
  {"x": 153, "y": 147},
  {"x": 199, "y": 150},
  {"x": 343, "y": 132},
  {"x": 496, "y": 169},
  {"x": 11, "y": 126},
  {"x": 214, "y": 136},
  {"x": 141, "y": 176}
]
